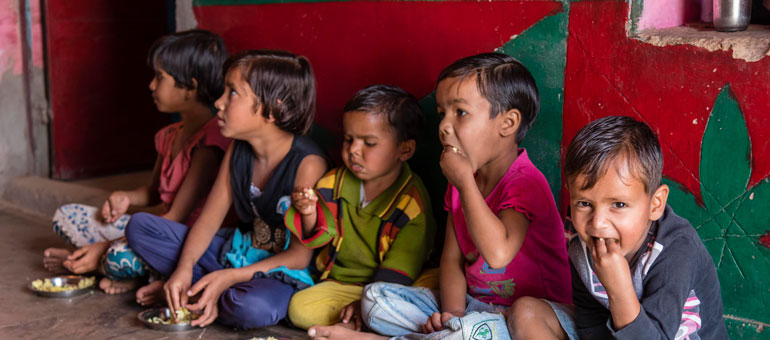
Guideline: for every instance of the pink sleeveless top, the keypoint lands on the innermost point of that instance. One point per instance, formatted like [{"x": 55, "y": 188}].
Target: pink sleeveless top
[{"x": 173, "y": 170}]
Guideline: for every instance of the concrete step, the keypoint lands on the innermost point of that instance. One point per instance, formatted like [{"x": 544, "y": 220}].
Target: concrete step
[{"x": 42, "y": 196}]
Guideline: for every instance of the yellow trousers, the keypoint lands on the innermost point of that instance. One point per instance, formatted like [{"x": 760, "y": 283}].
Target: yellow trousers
[{"x": 321, "y": 304}]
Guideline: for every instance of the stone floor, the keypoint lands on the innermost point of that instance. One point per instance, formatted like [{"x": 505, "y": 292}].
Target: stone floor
[{"x": 24, "y": 315}]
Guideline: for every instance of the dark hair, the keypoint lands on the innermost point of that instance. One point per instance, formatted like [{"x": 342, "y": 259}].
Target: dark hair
[
  {"x": 188, "y": 55},
  {"x": 600, "y": 142},
  {"x": 503, "y": 81},
  {"x": 283, "y": 83},
  {"x": 401, "y": 108}
]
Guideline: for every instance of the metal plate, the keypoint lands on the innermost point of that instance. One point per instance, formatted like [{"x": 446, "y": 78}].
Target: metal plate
[
  {"x": 165, "y": 313},
  {"x": 60, "y": 281}
]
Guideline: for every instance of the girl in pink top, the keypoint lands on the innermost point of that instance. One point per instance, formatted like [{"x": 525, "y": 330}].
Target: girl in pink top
[{"x": 187, "y": 80}]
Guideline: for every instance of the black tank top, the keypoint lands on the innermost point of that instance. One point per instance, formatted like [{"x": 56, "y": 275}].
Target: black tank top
[{"x": 263, "y": 213}]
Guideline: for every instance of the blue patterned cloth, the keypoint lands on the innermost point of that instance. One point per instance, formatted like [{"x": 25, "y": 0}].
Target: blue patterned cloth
[{"x": 242, "y": 254}]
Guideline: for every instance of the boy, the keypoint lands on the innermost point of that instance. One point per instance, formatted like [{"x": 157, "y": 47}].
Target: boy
[
  {"x": 504, "y": 236},
  {"x": 639, "y": 271},
  {"x": 373, "y": 214}
]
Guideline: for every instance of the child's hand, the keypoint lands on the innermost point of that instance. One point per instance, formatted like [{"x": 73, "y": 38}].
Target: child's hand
[
  {"x": 456, "y": 166},
  {"x": 304, "y": 200},
  {"x": 610, "y": 266},
  {"x": 115, "y": 206},
  {"x": 176, "y": 289},
  {"x": 210, "y": 287},
  {"x": 352, "y": 311},
  {"x": 86, "y": 259},
  {"x": 436, "y": 321}
]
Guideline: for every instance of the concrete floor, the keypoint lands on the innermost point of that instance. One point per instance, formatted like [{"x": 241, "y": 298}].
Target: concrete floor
[{"x": 24, "y": 315}]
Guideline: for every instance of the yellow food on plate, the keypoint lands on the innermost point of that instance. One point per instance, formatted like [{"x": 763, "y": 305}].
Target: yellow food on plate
[
  {"x": 261, "y": 338},
  {"x": 47, "y": 286},
  {"x": 183, "y": 316}
]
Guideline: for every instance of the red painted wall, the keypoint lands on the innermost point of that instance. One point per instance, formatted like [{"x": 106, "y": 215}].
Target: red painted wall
[
  {"x": 103, "y": 116},
  {"x": 355, "y": 44},
  {"x": 671, "y": 88}
]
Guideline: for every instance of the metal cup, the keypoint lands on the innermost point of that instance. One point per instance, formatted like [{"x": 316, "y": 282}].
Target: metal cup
[{"x": 731, "y": 15}]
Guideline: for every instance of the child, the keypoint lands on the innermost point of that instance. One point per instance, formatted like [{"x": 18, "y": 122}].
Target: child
[
  {"x": 504, "y": 237},
  {"x": 245, "y": 277},
  {"x": 373, "y": 214},
  {"x": 639, "y": 270},
  {"x": 187, "y": 80}
]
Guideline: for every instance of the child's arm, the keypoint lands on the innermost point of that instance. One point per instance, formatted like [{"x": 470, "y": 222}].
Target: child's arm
[
  {"x": 200, "y": 235},
  {"x": 118, "y": 202},
  {"x": 498, "y": 238},
  {"x": 667, "y": 288},
  {"x": 611, "y": 267},
  {"x": 197, "y": 181},
  {"x": 303, "y": 198},
  {"x": 453, "y": 286}
]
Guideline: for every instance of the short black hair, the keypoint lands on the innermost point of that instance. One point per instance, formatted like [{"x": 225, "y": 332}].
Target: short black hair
[
  {"x": 401, "y": 108},
  {"x": 188, "y": 55},
  {"x": 504, "y": 82},
  {"x": 602, "y": 141},
  {"x": 283, "y": 83}
]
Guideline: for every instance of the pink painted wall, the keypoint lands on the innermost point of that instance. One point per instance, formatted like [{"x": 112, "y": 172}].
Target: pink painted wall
[{"x": 669, "y": 13}]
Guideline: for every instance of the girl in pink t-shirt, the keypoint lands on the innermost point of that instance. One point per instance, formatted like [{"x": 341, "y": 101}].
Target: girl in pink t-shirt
[
  {"x": 504, "y": 236},
  {"x": 187, "y": 80}
]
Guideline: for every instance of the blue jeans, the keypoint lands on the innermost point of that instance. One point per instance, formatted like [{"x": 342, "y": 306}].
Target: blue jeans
[
  {"x": 259, "y": 302},
  {"x": 401, "y": 311}
]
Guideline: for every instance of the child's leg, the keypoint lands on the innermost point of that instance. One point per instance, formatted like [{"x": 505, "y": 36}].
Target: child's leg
[
  {"x": 78, "y": 225},
  {"x": 257, "y": 303},
  {"x": 322, "y": 303},
  {"x": 159, "y": 242},
  {"x": 122, "y": 267},
  {"x": 533, "y": 318},
  {"x": 393, "y": 309}
]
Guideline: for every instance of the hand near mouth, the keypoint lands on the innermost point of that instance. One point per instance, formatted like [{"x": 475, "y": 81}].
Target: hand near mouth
[
  {"x": 456, "y": 166},
  {"x": 612, "y": 269}
]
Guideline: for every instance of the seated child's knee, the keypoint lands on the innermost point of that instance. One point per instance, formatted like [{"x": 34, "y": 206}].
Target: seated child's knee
[{"x": 525, "y": 310}]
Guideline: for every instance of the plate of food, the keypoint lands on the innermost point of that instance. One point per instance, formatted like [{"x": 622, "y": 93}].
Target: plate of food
[
  {"x": 62, "y": 286},
  {"x": 160, "y": 319}
]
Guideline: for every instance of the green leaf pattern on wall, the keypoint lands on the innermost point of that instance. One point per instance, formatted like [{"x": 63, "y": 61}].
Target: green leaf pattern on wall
[{"x": 732, "y": 217}]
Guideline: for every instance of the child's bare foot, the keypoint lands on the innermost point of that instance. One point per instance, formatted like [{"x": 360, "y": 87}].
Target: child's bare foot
[
  {"x": 53, "y": 259},
  {"x": 116, "y": 287},
  {"x": 149, "y": 294},
  {"x": 339, "y": 331}
]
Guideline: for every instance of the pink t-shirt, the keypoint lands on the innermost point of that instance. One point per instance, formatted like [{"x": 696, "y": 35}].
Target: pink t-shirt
[
  {"x": 173, "y": 170},
  {"x": 541, "y": 267}
]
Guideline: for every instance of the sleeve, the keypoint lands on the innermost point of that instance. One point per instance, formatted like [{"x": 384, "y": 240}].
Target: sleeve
[
  {"x": 160, "y": 138},
  {"x": 666, "y": 289},
  {"x": 524, "y": 195},
  {"x": 326, "y": 228},
  {"x": 213, "y": 137},
  {"x": 406, "y": 255}
]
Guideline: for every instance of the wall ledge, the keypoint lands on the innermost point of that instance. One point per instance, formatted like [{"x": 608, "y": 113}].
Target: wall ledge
[{"x": 750, "y": 45}]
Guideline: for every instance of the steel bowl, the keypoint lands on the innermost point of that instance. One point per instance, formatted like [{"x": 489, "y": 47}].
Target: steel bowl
[
  {"x": 164, "y": 313},
  {"x": 60, "y": 281}
]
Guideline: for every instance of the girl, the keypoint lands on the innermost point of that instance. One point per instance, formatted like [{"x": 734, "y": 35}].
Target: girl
[
  {"x": 245, "y": 277},
  {"x": 187, "y": 80}
]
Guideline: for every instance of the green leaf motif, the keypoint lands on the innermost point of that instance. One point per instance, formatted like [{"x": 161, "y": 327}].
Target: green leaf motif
[{"x": 732, "y": 217}]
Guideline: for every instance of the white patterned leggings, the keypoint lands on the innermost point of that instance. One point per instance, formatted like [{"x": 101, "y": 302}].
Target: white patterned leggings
[{"x": 78, "y": 225}]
